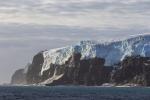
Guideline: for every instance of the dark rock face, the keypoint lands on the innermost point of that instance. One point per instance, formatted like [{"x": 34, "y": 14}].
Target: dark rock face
[
  {"x": 133, "y": 70},
  {"x": 32, "y": 76},
  {"x": 33, "y": 73},
  {"x": 19, "y": 77},
  {"x": 83, "y": 72},
  {"x": 88, "y": 72},
  {"x": 74, "y": 71}
]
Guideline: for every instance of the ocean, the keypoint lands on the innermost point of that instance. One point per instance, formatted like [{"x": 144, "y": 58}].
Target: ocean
[{"x": 73, "y": 93}]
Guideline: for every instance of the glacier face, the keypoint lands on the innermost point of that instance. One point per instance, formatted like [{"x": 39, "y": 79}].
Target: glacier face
[{"x": 112, "y": 52}]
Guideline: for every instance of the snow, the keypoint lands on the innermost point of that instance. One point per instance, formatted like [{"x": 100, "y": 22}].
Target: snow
[
  {"x": 53, "y": 78},
  {"x": 112, "y": 52}
]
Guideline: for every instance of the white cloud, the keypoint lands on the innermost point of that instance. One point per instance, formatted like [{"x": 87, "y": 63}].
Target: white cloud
[
  {"x": 74, "y": 12},
  {"x": 99, "y": 13},
  {"x": 28, "y": 26}
]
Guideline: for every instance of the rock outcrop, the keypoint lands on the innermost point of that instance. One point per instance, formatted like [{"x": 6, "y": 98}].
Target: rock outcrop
[
  {"x": 90, "y": 72},
  {"x": 90, "y": 63},
  {"x": 133, "y": 69},
  {"x": 73, "y": 72},
  {"x": 83, "y": 72},
  {"x": 33, "y": 72},
  {"x": 19, "y": 77}
]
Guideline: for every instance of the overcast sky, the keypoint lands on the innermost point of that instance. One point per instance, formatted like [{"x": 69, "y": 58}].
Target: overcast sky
[{"x": 29, "y": 26}]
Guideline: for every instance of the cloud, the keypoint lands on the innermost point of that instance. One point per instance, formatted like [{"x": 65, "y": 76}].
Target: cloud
[
  {"x": 29, "y": 26},
  {"x": 27, "y": 33},
  {"x": 99, "y": 13},
  {"x": 72, "y": 6}
]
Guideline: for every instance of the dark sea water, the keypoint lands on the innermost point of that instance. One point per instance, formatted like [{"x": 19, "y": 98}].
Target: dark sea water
[{"x": 74, "y": 93}]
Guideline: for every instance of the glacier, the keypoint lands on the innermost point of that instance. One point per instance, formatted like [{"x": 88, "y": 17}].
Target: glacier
[{"x": 112, "y": 52}]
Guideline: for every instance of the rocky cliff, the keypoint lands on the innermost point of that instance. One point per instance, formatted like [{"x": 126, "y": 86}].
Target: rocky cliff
[
  {"x": 133, "y": 69},
  {"x": 92, "y": 63},
  {"x": 19, "y": 77}
]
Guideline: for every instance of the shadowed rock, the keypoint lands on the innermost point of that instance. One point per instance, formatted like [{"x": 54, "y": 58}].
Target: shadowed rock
[
  {"x": 134, "y": 69},
  {"x": 19, "y": 77},
  {"x": 77, "y": 71},
  {"x": 83, "y": 72},
  {"x": 33, "y": 73}
]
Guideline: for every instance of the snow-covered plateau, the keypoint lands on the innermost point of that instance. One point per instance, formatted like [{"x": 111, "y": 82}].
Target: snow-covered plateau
[{"x": 112, "y": 52}]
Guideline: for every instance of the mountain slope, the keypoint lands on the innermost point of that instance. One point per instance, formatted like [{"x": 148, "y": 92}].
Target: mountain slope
[
  {"x": 93, "y": 63},
  {"x": 112, "y": 52}
]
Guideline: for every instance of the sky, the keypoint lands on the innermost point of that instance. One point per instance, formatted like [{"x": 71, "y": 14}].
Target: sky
[{"x": 30, "y": 26}]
